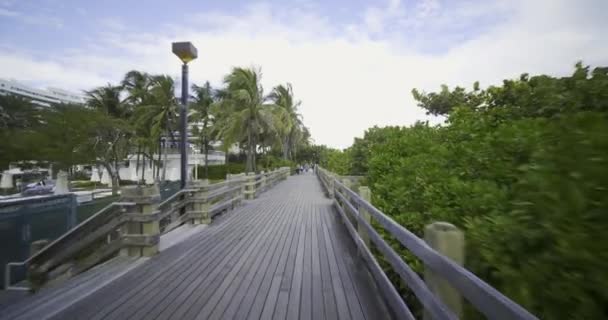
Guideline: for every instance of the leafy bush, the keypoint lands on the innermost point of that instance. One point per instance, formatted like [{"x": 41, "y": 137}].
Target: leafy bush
[
  {"x": 218, "y": 172},
  {"x": 522, "y": 169},
  {"x": 270, "y": 162}
]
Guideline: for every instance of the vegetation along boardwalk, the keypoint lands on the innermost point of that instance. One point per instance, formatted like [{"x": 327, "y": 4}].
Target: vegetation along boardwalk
[{"x": 285, "y": 255}]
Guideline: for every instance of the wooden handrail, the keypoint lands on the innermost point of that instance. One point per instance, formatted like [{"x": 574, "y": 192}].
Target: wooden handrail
[{"x": 482, "y": 296}]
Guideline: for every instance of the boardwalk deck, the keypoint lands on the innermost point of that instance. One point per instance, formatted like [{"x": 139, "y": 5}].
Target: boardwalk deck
[{"x": 284, "y": 255}]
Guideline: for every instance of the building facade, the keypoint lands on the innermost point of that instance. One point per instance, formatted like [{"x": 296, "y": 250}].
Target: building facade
[{"x": 40, "y": 97}]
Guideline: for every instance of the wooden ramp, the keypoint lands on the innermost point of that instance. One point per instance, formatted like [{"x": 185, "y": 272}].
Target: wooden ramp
[{"x": 285, "y": 255}]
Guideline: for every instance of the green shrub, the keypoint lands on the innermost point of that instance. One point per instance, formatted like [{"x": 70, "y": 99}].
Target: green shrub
[
  {"x": 524, "y": 174},
  {"x": 270, "y": 162},
  {"x": 218, "y": 172}
]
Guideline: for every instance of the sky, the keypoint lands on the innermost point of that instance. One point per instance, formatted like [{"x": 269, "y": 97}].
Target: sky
[{"x": 352, "y": 63}]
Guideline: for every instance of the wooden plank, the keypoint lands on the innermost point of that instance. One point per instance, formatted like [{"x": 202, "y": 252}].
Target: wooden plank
[
  {"x": 358, "y": 273},
  {"x": 329, "y": 299},
  {"x": 192, "y": 295},
  {"x": 318, "y": 309},
  {"x": 166, "y": 283},
  {"x": 232, "y": 289},
  {"x": 164, "y": 293},
  {"x": 264, "y": 306},
  {"x": 217, "y": 275},
  {"x": 283, "y": 255},
  {"x": 257, "y": 294},
  {"x": 344, "y": 261},
  {"x": 52, "y": 300},
  {"x": 290, "y": 275},
  {"x": 158, "y": 267},
  {"x": 241, "y": 302},
  {"x": 305, "y": 301},
  {"x": 341, "y": 303}
]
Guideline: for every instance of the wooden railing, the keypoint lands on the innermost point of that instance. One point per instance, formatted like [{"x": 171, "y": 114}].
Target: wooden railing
[
  {"x": 134, "y": 225},
  {"x": 357, "y": 213}
]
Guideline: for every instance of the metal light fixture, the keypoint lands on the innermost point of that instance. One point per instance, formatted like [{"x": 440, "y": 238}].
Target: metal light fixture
[{"x": 186, "y": 52}]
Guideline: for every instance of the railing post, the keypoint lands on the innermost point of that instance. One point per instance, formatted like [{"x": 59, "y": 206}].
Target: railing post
[
  {"x": 263, "y": 183},
  {"x": 332, "y": 185},
  {"x": 448, "y": 240},
  {"x": 200, "y": 207},
  {"x": 243, "y": 182},
  {"x": 250, "y": 185},
  {"x": 366, "y": 194},
  {"x": 146, "y": 199},
  {"x": 231, "y": 183}
]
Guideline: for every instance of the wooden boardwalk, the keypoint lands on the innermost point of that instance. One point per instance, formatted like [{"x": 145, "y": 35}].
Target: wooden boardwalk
[{"x": 285, "y": 255}]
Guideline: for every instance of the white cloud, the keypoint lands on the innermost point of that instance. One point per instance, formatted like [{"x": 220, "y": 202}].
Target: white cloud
[{"x": 348, "y": 79}]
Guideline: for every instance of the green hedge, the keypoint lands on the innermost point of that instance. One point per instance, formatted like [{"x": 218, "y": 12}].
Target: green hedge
[
  {"x": 525, "y": 178},
  {"x": 270, "y": 162},
  {"x": 218, "y": 172}
]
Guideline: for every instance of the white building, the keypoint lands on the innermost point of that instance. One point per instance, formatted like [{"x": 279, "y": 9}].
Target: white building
[
  {"x": 128, "y": 171},
  {"x": 39, "y": 96}
]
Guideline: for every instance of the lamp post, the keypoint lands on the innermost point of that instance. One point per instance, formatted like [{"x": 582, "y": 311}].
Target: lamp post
[{"x": 186, "y": 52}]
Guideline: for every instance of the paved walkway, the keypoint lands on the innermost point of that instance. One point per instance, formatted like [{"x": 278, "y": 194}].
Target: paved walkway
[{"x": 284, "y": 255}]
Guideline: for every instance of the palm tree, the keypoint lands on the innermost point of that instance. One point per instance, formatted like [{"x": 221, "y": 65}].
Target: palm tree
[
  {"x": 107, "y": 101},
  {"x": 244, "y": 100},
  {"x": 204, "y": 97},
  {"x": 289, "y": 121},
  {"x": 160, "y": 112},
  {"x": 137, "y": 84}
]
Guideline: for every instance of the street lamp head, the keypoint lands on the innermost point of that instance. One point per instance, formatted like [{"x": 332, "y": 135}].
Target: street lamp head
[{"x": 185, "y": 51}]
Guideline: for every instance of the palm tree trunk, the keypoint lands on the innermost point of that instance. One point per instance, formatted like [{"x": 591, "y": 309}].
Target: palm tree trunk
[
  {"x": 158, "y": 161},
  {"x": 152, "y": 163},
  {"x": 137, "y": 161},
  {"x": 254, "y": 153},
  {"x": 206, "y": 146},
  {"x": 165, "y": 160},
  {"x": 143, "y": 167},
  {"x": 249, "y": 165},
  {"x": 285, "y": 149}
]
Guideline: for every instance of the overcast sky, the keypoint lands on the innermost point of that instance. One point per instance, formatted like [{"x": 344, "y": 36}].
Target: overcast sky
[{"x": 353, "y": 63}]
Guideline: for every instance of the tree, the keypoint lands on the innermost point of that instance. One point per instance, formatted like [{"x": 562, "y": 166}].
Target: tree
[
  {"x": 289, "y": 122},
  {"x": 112, "y": 144},
  {"x": 107, "y": 100},
  {"x": 204, "y": 97},
  {"x": 71, "y": 134},
  {"x": 17, "y": 117},
  {"x": 159, "y": 112},
  {"x": 137, "y": 85},
  {"x": 244, "y": 99},
  {"x": 521, "y": 168}
]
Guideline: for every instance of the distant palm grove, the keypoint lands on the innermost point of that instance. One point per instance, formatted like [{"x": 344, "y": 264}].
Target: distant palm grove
[{"x": 140, "y": 116}]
